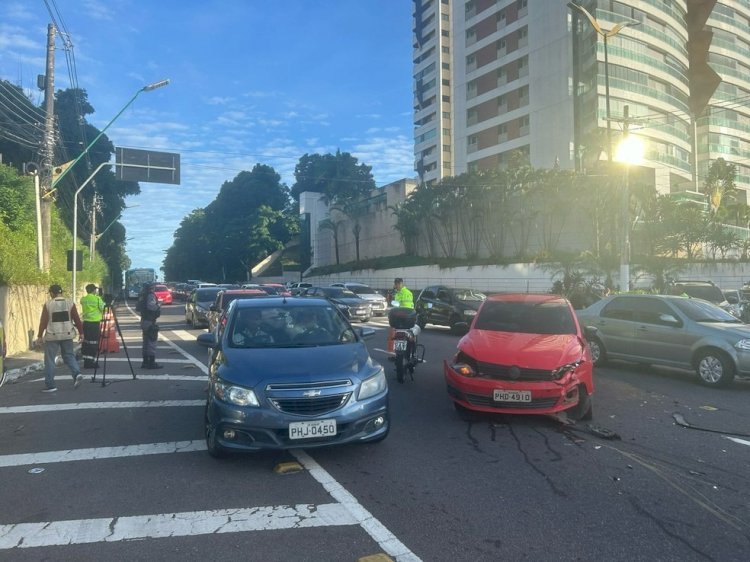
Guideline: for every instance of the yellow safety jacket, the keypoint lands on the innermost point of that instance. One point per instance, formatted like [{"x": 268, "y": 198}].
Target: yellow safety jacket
[{"x": 92, "y": 308}]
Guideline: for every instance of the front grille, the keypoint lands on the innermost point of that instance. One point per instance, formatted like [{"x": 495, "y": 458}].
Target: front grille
[
  {"x": 487, "y": 401},
  {"x": 502, "y": 372},
  {"x": 313, "y": 406}
]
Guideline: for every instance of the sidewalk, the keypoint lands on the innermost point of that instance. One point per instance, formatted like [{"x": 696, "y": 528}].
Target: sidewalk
[{"x": 27, "y": 362}]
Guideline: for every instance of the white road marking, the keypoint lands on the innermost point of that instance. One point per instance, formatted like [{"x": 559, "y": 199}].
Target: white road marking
[
  {"x": 99, "y": 405},
  {"x": 164, "y": 525},
  {"x": 163, "y": 377},
  {"x": 184, "y": 335},
  {"x": 738, "y": 440},
  {"x": 380, "y": 534},
  {"x": 135, "y": 360},
  {"x": 48, "y": 457}
]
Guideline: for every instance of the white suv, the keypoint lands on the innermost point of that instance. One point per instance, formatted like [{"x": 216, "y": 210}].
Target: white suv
[{"x": 377, "y": 301}]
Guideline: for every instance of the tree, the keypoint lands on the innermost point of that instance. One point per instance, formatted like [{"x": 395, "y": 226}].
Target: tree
[
  {"x": 337, "y": 176},
  {"x": 720, "y": 182},
  {"x": 333, "y": 226}
]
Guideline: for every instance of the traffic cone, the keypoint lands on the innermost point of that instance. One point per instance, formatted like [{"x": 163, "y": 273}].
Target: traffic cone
[{"x": 108, "y": 342}]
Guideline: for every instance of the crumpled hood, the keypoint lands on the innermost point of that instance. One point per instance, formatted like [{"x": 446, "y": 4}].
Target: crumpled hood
[
  {"x": 531, "y": 351},
  {"x": 251, "y": 367}
]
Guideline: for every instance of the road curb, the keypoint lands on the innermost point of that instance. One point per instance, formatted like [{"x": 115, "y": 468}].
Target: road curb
[{"x": 11, "y": 375}]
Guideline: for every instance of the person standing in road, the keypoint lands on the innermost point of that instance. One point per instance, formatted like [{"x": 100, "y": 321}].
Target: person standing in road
[
  {"x": 401, "y": 294},
  {"x": 57, "y": 329},
  {"x": 92, "y": 310},
  {"x": 148, "y": 307}
]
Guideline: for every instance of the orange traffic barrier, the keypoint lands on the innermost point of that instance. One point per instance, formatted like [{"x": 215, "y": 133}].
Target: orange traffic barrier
[{"x": 108, "y": 342}]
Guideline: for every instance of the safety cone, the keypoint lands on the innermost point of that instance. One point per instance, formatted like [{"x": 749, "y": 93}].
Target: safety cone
[{"x": 108, "y": 342}]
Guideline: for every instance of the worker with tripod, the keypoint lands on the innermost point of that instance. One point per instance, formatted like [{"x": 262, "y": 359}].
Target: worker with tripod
[{"x": 92, "y": 310}]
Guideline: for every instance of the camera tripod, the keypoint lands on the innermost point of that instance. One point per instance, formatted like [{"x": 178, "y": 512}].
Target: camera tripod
[{"x": 108, "y": 323}]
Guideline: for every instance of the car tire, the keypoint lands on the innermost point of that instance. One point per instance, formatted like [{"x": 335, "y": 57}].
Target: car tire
[
  {"x": 584, "y": 410},
  {"x": 598, "y": 353},
  {"x": 212, "y": 445},
  {"x": 455, "y": 319},
  {"x": 365, "y": 320},
  {"x": 421, "y": 322},
  {"x": 714, "y": 368}
]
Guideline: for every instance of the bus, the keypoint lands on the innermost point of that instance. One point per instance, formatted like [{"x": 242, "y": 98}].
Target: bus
[{"x": 136, "y": 278}]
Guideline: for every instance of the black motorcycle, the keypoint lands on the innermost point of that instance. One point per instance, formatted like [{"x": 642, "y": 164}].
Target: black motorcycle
[{"x": 407, "y": 351}]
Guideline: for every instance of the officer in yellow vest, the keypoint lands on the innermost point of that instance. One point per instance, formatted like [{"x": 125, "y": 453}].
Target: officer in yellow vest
[{"x": 92, "y": 310}]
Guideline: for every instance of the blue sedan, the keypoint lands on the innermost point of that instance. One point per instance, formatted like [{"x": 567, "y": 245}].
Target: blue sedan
[{"x": 290, "y": 373}]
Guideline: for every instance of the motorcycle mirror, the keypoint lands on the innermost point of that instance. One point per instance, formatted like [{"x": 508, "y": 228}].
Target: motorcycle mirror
[{"x": 394, "y": 303}]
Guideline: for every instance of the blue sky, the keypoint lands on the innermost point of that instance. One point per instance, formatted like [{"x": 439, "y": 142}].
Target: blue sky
[{"x": 252, "y": 81}]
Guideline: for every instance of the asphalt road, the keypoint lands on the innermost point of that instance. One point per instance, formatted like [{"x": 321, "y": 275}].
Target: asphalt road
[{"x": 120, "y": 472}]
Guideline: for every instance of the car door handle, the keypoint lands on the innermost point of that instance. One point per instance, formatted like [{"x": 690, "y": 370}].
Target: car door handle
[{"x": 642, "y": 328}]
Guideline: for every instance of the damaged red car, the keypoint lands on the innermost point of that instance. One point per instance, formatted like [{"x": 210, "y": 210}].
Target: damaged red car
[{"x": 524, "y": 353}]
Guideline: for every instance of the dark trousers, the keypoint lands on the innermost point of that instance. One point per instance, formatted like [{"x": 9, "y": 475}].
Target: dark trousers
[{"x": 90, "y": 345}]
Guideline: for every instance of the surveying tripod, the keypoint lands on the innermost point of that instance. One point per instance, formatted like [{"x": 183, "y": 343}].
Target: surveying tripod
[{"x": 107, "y": 325}]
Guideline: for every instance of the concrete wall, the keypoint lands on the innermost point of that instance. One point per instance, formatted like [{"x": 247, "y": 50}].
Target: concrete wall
[{"x": 20, "y": 309}]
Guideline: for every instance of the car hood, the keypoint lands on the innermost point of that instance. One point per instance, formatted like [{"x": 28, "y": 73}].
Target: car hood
[
  {"x": 253, "y": 367},
  {"x": 372, "y": 297},
  {"x": 532, "y": 351}
]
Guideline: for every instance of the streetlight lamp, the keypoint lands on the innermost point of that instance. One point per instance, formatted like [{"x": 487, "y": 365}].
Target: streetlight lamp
[
  {"x": 605, "y": 35},
  {"x": 629, "y": 153},
  {"x": 66, "y": 168}
]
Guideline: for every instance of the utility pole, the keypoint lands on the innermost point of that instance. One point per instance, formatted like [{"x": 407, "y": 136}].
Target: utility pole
[
  {"x": 625, "y": 212},
  {"x": 48, "y": 149},
  {"x": 92, "y": 243}
]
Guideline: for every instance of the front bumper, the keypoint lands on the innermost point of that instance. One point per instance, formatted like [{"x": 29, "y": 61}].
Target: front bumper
[
  {"x": 266, "y": 428},
  {"x": 547, "y": 397}
]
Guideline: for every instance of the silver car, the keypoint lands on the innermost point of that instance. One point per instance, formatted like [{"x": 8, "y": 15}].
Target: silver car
[
  {"x": 671, "y": 331},
  {"x": 377, "y": 301}
]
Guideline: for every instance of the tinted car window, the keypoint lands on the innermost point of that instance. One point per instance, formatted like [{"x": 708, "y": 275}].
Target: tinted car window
[
  {"x": 207, "y": 294},
  {"x": 650, "y": 311},
  {"x": 443, "y": 295},
  {"x": 335, "y": 292},
  {"x": 361, "y": 290},
  {"x": 526, "y": 318},
  {"x": 709, "y": 293},
  {"x": 468, "y": 295},
  {"x": 428, "y": 294},
  {"x": 619, "y": 309}
]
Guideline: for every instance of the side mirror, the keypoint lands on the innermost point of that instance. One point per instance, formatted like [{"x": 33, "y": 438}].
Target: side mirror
[
  {"x": 589, "y": 332},
  {"x": 208, "y": 339},
  {"x": 669, "y": 319}
]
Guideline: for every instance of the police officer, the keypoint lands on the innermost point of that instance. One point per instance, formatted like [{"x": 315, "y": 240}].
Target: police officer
[
  {"x": 401, "y": 294},
  {"x": 57, "y": 329},
  {"x": 150, "y": 311},
  {"x": 92, "y": 310}
]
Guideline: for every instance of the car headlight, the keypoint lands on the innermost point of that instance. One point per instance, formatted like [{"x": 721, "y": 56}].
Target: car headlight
[
  {"x": 744, "y": 345},
  {"x": 560, "y": 372},
  {"x": 464, "y": 369},
  {"x": 470, "y": 312},
  {"x": 372, "y": 386},
  {"x": 236, "y": 394}
]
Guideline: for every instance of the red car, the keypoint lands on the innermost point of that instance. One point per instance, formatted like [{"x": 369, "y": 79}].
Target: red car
[
  {"x": 524, "y": 353},
  {"x": 163, "y": 294}
]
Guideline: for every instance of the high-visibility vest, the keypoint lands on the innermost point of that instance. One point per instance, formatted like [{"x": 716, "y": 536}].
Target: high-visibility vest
[
  {"x": 92, "y": 307},
  {"x": 60, "y": 325}
]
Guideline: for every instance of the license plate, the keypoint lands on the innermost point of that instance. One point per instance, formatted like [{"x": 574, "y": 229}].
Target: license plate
[
  {"x": 359, "y": 312},
  {"x": 312, "y": 429},
  {"x": 511, "y": 395},
  {"x": 399, "y": 345}
]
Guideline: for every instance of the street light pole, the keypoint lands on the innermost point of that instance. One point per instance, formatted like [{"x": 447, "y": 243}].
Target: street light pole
[
  {"x": 605, "y": 36},
  {"x": 68, "y": 166}
]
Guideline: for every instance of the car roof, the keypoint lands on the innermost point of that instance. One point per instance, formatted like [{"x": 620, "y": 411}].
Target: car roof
[
  {"x": 244, "y": 292},
  {"x": 272, "y": 300}
]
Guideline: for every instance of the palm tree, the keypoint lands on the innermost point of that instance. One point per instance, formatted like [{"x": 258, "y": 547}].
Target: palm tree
[{"x": 333, "y": 226}]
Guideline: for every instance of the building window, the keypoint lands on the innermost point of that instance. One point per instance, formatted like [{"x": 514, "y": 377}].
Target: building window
[
  {"x": 446, "y": 132},
  {"x": 445, "y": 17},
  {"x": 446, "y": 66},
  {"x": 445, "y": 50},
  {"x": 447, "y": 99},
  {"x": 445, "y": 33},
  {"x": 446, "y": 148},
  {"x": 446, "y": 82}
]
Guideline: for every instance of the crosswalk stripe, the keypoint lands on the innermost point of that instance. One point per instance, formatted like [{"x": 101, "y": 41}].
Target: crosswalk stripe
[
  {"x": 738, "y": 440},
  {"x": 184, "y": 335},
  {"x": 163, "y": 377},
  {"x": 99, "y": 405},
  {"x": 97, "y": 453},
  {"x": 163, "y": 525}
]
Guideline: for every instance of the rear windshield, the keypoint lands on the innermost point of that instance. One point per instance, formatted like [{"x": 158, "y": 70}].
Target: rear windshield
[
  {"x": 526, "y": 318},
  {"x": 161, "y": 288},
  {"x": 361, "y": 290},
  {"x": 706, "y": 292},
  {"x": 207, "y": 294},
  {"x": 469, "y": 295}
]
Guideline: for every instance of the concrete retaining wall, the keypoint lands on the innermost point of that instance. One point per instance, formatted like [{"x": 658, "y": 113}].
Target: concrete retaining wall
[{"x": 20, "y": 309}]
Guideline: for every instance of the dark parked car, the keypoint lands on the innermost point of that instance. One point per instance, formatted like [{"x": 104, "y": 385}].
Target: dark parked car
[
  {"x": 447, "y": 306},
  {"x": 223, "y": 298},
  {"x": 669, "y": 330},
  {"x": 198, "y": 305},
  {"x": 292, "y": 372},
  {"x": 377, "y": 301},
  {"x": 705, "y": 290},
  {"x": 524, "y": 353},
  {"x": 354, "y": 307}
]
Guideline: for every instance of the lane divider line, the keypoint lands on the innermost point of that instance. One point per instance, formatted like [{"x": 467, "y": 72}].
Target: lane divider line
[{"x": 99, "y": 405}]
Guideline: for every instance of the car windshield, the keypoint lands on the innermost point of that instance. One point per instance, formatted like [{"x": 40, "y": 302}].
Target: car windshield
[
  {"x": 361, "y": 290},
  {"x": 469, "y": 295},
  {"x": 337, "y": 292},
  {"x": 160, "y": 288},
  {"x": 288, "y": 326},
  {"x": 703, "y": 311},
  {"x": 709, "y": 293},
  {"x": 208, "y": 294},
  {"x": 526, "y": 317}
]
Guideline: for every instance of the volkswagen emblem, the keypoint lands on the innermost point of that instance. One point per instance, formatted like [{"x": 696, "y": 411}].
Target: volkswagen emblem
[
  {"x": 311, "y": 393},
  {"x": 514, "y": 372}
]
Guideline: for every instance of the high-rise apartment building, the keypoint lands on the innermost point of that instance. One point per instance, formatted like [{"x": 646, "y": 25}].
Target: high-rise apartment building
[{"x": 492, "y": 77}]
